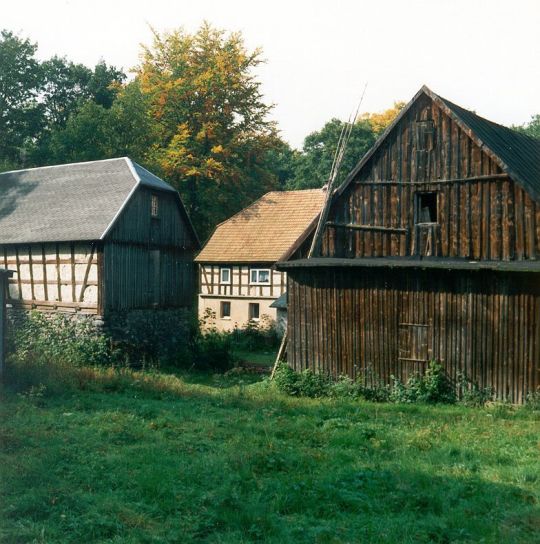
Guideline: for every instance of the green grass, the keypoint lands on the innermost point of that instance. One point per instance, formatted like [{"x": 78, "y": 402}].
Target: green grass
[
  {"x": 260, "y": 358},
  {"x": 152, "y": 458}
]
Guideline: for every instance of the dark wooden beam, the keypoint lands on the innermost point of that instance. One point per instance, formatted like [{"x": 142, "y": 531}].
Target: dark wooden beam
[
  {"x": 376, "y": 228},
  {"x": 486, "y": 177}
]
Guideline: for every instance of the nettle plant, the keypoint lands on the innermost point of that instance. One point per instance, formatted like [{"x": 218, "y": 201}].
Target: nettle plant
[
  {"x": 59, "y": 339},
  {"x": 432, "y": 387}
]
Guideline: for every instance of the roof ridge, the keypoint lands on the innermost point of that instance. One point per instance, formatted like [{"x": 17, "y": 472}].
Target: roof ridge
[
  {"x": 310, "y": 190},
  {"x": 486, "y": 120},
  {"x": 59, "y": 165}
]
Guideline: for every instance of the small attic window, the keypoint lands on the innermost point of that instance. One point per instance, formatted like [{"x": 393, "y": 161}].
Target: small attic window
[
  {"x": 426, "y": 206},
  {"x": 425, "y": 135},
  {"x": 154, "y": 210}
]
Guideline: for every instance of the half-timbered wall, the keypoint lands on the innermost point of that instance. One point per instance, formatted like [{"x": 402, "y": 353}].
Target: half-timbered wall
[
  {"x": 239, "y": 294},
  {"x": 53, "y": 275},
  {"x": 481, "y": 213},
  {"x": 209, "y": 281},
  {"x": 361, "y": 322}
]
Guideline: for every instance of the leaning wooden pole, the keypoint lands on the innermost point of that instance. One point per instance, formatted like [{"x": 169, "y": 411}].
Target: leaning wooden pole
[
  {"x": 281, "y": 351},
  {"x": 343, "y": 141}
]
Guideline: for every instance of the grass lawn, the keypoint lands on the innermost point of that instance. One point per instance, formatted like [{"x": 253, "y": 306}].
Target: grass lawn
[
  {"x": 259, "y": 358},
  {"x": 198, "y": 458}
]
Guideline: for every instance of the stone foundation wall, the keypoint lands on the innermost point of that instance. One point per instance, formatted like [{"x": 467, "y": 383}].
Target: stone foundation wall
[
  {"x": 147, "y": 333},
  {"x": 17, "y": 316}
]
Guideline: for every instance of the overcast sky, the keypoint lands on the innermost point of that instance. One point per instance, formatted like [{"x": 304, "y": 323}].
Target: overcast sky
[{"x": 481, "y": 54}]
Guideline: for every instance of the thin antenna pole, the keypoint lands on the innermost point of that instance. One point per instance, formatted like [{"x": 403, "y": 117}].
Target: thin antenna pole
[{"x": 336, "y": 165}]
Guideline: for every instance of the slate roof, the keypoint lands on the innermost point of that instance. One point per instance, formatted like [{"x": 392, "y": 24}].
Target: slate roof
[
  {"x": 79, "y": 201},
  {"x": 281, "y": 302},
  {"x": 266, "y": 230},
  {"x": 517, "y": 154}
]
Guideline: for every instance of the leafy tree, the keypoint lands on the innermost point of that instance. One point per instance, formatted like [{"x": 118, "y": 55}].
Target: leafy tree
[
  {"x": 63, "y": 85},
  {"x": 214, "y": 137},
  {"x": 105, "y": 84},
  {"x": 66, "y": 86},
  {"x": 379, "y": 121},
  {"x": 532, "y": 128},
  {"x": 19, "y": 82},
  {"x": 95, "y": 132},
  {"x": 313, "y": 164}
]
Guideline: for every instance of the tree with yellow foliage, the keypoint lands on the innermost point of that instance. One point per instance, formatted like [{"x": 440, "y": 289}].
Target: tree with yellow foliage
[
  {"x": 214, "y": 137},
  {"x": 379, "y": 121}
]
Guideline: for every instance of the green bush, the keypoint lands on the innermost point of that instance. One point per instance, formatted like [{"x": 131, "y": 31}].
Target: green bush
[
  {"x": 212, "y": 350},
  {"x": 532, "y": 401},
  {"x": 301, "y": 384},
  {"x": 432, "y": 387},
  {"x": 154, "y": 338},
  {"x": 256, "y": 335},
  {"x": 471, "y": 394},
  {"x": 57, "y": 338}
]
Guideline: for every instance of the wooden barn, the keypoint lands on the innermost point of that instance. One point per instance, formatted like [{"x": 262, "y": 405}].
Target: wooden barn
[
  {"x": 98, "y": 238},
  {"x": 430, "y": 251}
]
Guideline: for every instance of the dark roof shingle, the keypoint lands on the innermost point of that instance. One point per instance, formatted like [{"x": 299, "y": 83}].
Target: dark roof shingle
[
  {"x": 68, "y": 202},
  {"x": 519, "y": 153}
]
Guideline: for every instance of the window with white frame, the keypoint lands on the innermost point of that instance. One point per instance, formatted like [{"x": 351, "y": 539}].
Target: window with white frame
[
  {"x": 225, "y": 275},
  {"x": 259, "y": 276}
]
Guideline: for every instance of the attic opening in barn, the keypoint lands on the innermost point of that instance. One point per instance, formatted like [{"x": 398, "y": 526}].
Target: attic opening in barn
[
  {"x": 426, "y": 207},
  {"x": 430, "y": 251}
]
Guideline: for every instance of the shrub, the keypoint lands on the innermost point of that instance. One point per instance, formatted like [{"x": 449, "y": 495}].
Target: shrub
[
  {"x": 257, "y": 335},
  {"x": 433, "y": 387},
  {"x": 212, "y": 350},
  {"x": 532, "y": 401},
  {"x": 345, "y": 387},
  {"x": 301, "y": 384},
  {"x": 471, "y": 393},
  {"x": 372, "y": 387},
  {"x": 286, "y": 379},
  {"x": 57, "y": 338},
  {"x": 155, "y": 338}
]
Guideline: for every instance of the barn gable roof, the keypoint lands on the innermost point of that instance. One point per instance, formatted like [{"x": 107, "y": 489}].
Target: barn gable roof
[
  {"x": 265, "y": 231},
  {"x": 79, "y": 201},
  {"x": 517, "y": 154}
]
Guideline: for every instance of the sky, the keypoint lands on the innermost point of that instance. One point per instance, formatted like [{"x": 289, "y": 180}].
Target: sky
[{"x": 481, "y": 54}]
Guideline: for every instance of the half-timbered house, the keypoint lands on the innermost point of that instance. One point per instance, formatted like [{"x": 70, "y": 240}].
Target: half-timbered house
[
  {"x": 96, "y": 238},
  {"x": 237, "y": 279},
  {"x": 430, "y": 251}
]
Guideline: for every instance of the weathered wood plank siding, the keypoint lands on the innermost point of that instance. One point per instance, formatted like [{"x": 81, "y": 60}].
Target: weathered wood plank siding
[
  {"x": 482, "y": 214},
  {"x": 483, "y": 324},
  {"x": 148, "y": 261}
]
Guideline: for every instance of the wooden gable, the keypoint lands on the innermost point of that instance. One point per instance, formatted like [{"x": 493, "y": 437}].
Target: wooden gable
[{"x": 431, "y": 189}]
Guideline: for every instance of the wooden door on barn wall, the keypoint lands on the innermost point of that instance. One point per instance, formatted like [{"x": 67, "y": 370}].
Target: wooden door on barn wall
[{"x": 415, "y": 330}]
